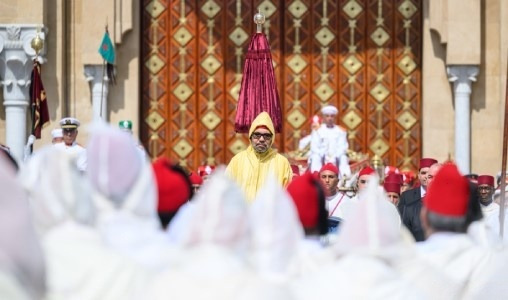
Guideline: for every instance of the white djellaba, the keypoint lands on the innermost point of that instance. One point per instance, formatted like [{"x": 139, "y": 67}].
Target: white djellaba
[
  {"x": 22, "y": 274},
  {"x": 125, "y": 194},
  {"x": 279, "y": 249},
  {"x": 214, "y": 240},
  {"x": 79, "y": 266},
  {"x": 276, "y": 231},
  {"x": 375, "y": 259}
]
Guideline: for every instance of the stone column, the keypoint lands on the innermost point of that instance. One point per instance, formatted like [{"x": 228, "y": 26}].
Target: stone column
[
  {"x": 99, "y": 83},
  {"x": 16, "y": 56},
  {"x": 462, "y": 77}
]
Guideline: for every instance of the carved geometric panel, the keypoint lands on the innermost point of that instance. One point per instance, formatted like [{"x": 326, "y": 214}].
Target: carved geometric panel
[{"x": 363, "y": 56}]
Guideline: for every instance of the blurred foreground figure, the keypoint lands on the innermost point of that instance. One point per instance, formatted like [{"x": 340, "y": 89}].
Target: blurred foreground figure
[
  {"x": 250, "y": 167},
  {"x": 214, "y": 240},
  {"x": 374, "y": 259},
  {"x": 79, "y": 265},
  {"x": 480, "y": 271},
  {"x": 173, "y": 187},
  {"x": 125, "y": 193},
  {"x": 22, "y": 274}
]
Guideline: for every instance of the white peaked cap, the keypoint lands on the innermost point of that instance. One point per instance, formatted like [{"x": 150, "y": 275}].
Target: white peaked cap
[
  {"x": 329, "y": 110},
  {"x": 57, "y": 133}
]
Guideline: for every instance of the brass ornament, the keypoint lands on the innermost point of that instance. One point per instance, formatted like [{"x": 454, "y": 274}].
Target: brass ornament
[
  {"x": 154, "y": 120},
  {"x": 407, "y": 65},
  {"x": 235, "y": 90},
  {"x": 297, "y": 63},
  {"x": 379, "y": 92},
  {"x": 211, "y": 64},
  {"x": 154, "y": 64},
  {"x": 210, "y": 9},
  {"x": 267, "y": 8},
  {"x": 407, "y": 9},
  {"x": 238, "y": 36},
  {"x": 155, "y": 8},
  {"x": 182, "y": 36},
  {"x": 351, "y": 119},
  {"x": 325, "y": 36},
  {"x": 379, "y": 147},
  {"x": 237, "y": 146},
  {"x": 183, "y": 148},
  {"x": 380, "y": 36},
  {"x": 210, "y": 120},
  {"x": 324, "y": 92},
  {"x": 296, "y": 118},
  {"x": 352, "y": 64},
  {"x": 297, "y": 9},
  {"x": 406, "y": 120},
  {"x": 352, "y": 9},
  {"x": 182, "y": 92}
]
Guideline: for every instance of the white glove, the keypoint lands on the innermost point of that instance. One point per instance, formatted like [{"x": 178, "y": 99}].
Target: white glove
[{"x": 31, "y": 140}]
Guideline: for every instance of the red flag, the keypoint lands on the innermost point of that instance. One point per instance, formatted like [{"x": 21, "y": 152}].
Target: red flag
[{"x": 38, "y": 102}]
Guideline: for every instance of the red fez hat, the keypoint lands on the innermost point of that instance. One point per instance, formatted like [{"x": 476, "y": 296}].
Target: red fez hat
[
  {"x": 392, "y": 187},
  {"x": 195, "y": 179},
  {"x": 486, "y": 179},
  {"x": 448, "y": 194},
  {"x": 427, "y": 162},
  {"x": 366, "y": 171},
  {"x": 295, "y": 169},
  {"x": 394, "y": 178},
  {"x": 305, "y": 196},
  {"x": 172, "y": 186},
  {"x": 205, "y": 170},
  {"x": 330, "y": 167}
]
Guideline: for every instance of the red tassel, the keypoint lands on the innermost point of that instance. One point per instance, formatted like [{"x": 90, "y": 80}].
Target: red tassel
[{"x": 258, "y": 91}]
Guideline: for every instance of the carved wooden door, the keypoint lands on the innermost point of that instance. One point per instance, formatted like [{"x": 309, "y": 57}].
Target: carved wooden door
[{"x": 363, "y": 56}]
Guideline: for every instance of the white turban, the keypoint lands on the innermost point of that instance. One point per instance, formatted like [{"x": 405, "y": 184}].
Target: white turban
[
  {"x": 57, "y": 133},
  {"x": 329, "y": 110}
]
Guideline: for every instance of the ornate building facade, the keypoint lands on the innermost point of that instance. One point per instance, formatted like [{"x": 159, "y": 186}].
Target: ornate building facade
[{"x": 411, "y": 78}]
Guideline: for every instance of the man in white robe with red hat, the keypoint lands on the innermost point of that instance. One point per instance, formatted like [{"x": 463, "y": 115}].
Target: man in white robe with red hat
[{"x": 480, "y": 271}]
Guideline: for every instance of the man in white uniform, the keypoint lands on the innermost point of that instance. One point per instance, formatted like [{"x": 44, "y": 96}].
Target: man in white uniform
[
  {"x": 337, "y": 203},
  {"x": 70, "y": 132},
  {"x": 329, "y": 143}
]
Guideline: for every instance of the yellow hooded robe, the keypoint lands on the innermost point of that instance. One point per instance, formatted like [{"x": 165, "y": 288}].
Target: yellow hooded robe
[{"x": 250, "y": 169}]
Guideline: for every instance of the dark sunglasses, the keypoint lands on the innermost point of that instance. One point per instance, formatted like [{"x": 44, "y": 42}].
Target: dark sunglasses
[{"x": 258, "y": 135}]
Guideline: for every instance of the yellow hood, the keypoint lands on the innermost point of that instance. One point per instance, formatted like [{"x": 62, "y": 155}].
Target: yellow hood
[{"x": 263, "y": 119}]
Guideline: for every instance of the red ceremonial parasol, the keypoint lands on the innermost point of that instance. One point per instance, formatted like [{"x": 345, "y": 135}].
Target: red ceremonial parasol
[{"x": 258, "y": 92}]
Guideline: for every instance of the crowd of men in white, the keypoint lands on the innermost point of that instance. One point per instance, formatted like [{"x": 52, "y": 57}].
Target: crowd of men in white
[{"x": 69, "y": 234}]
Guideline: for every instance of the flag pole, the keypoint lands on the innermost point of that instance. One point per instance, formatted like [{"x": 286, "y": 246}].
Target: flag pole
[
  {"x": 37, "y": 44},
  {"x": 503, "y": 164},
  {"x": 102, "y": 85},
  {"x": 103, "y": 75}
]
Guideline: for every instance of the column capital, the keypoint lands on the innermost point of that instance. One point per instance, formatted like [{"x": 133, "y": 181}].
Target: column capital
[
  {"x": 462, "y": 76},
  {"x": 16, "y": 56}
]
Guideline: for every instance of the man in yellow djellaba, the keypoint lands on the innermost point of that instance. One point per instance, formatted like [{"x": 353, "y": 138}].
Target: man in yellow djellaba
[{"x": 250, "y": 167}]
